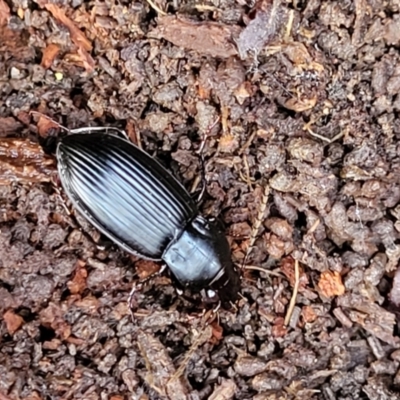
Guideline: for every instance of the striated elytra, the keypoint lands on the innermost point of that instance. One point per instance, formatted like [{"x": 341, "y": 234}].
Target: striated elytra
[{"x": 133, "y": 200}]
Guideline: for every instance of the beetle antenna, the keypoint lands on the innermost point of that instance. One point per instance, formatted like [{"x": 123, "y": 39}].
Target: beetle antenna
[
  {"x": 138, "y": 286},
  {"x": 50, "y": 119},
  {"x": 200, "y": 152}
]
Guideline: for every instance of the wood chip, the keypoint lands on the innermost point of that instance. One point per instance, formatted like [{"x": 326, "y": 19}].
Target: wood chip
[
  {"x": 210, "y": 38},
  {"x": 49, "y": 54},
  {"x": 13, "y": 321},
  {"x": 78, "y": 282},
  {"x": 160, "y": 368}
]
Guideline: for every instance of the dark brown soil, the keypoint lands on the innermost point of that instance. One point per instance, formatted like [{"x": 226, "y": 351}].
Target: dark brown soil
[{"x": 300, "y": 102}]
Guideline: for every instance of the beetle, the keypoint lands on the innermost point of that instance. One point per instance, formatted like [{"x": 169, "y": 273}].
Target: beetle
[{"x": 134, "y": 201}]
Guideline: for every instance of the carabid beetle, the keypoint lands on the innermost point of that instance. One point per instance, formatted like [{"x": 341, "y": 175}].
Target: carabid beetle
[{"x": 133, "y": 200}]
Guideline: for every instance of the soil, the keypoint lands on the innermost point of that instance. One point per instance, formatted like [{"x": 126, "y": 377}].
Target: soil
[{"x": 297, "y": 104}]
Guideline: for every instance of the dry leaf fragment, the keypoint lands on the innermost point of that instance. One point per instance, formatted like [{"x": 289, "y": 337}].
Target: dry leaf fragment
[
  {"x": 53, "y": 317},
  {"x": 45, "y": 126},
  {"x": 228, "y": 144},
  {"x": 243, "y": 92},
  {"x": 9, "y": 125},
  {"x": 13, "y": 321},
  {"x": 77, "y": 36},
  {"x": 331, "y": 284},
  {"x": 300, "y": 105},
  {"x": 308, "y": 314},
  {"x": 146, "y": 268},
  {"x": 224, "y": 391},
  {"x": 49, "y": 54},
  {"x": 287, "y": 267},
  {"x": 4, "y": 12},
  {"x": 297, "y": 53},
  {"x": 78, "y": 282},
  {"x": 24, "y": 161},
  {"x": 210, "y": 38}
]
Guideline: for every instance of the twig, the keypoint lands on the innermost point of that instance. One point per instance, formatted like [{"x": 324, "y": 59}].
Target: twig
[
  {"x": 314, "y": 226},
  {"x": 155, "y": 7},
  {"x": 289, "y": 26},
  {"x": 201, "y": 338},
  {"x": 266, "y": 271},
  {"x": 138, "y": 138},
  {"x": 195, "y": 183},
  {"x": 224, "y": 119},
  {"x": 257, "y": 223},
  {"x": 49, "y": 119},
  {"x": 338, "y": 136},
  {"x": 294, "y": 294},
  {"x": 204, "y": 7},
  {"x": 206, "y": 135},
  {"x": 248, "y": 142},
  {"x": 318, "y": 136},
  {"x": 247, "y": 169},
  {"x": 307, "y": 127}
]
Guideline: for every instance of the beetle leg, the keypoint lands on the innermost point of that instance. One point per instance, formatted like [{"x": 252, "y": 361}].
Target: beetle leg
[
  {"x": 106, "y": 129},
  {"x": 200, "y": 152},
  {"x": 201, "y": 179},
  {"x": 209, "y": 316},
  {"x": 137, "y": 287}
]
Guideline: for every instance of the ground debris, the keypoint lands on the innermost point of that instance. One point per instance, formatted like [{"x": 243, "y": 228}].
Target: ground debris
[
  {"x": 24, "y": 161},
  {"x": 77, "y": 36},
  {"x": 224, "y": 391},
  {"x": 160, "y": 369},
  {"x": 331, "y": 284},
  {"x": 208, "y": 38},
  {"x": 263, "y": 28},
  {"x": 372, "y": 317},
  {"x": 294, "y": 108},
  {"x": 4, "y": 12}
]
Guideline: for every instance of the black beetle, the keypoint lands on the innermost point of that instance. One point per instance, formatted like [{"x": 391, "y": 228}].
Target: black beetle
[{"x": 133, "y": 200}]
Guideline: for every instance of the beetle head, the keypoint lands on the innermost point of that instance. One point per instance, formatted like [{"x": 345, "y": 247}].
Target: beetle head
[{"x": 200, "y": 258}]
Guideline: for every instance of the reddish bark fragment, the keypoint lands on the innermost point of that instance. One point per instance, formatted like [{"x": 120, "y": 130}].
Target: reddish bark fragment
[
  {"x": 13, "y": 321},
  {"x": 49, "y": 54},
  {"x": 331, "y": 284},
  {"x": 4, "y": 12}
]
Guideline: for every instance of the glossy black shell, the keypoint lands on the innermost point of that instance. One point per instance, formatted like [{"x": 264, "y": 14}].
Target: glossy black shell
[{"x": 137, "y": 203}]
